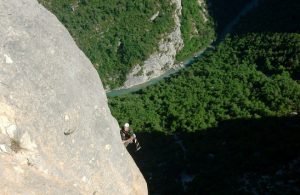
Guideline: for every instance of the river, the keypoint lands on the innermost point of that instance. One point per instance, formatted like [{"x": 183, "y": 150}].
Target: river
[{"x": 228, "y": 29}]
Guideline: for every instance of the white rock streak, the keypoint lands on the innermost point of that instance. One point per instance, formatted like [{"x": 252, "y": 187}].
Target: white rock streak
[{"x": 8, "y": 59}]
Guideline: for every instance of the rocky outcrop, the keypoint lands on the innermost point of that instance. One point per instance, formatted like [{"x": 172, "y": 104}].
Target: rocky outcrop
[
  {"x": 163, "y": 59},
  {"x": 204, "y": 11},
  {"x": 57, "y": 135}
]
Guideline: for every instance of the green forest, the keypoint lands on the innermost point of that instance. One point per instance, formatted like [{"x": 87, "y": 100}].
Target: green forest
[
  {"x": 201, "y": 25},
  {"x": 196, "y": 32},
  {"x": 248, "y": 75},
  {"x": 115, "y": 35},
  {"x": 236, "y": 80}
]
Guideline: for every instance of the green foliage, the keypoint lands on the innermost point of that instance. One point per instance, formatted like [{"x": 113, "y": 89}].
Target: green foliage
[
  {"x": 200, "y": 24},
  {"x": 225, "y": 84},
  {"x": 273, "y": 53},
  {"x": 197, "y": 33},
  {"x": 115, "y": 35}
]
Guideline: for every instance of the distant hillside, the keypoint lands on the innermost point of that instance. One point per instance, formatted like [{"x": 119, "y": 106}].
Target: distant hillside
[
  {"x": 233, "y": 81},
  {"x": 117, "y": 35},
  {"x": 114, "y": 34},
  {"x": 251, "y": 74},
  {"x": 227, "y": 124}
]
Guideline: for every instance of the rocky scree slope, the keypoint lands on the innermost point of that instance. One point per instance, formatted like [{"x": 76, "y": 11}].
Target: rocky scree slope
[{"x": 57, "y": 135}]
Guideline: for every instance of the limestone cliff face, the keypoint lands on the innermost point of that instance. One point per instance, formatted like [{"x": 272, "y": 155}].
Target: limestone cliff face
[
  {"x": 57, "y": 135},
  {"x": 162, "y": 60}
]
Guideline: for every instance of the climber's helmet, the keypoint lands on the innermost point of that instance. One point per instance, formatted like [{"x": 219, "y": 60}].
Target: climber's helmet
[{"x": 126, "y": 126}]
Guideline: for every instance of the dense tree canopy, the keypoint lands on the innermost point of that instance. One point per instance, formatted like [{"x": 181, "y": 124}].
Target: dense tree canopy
[
  {"x": 233, "y": 81},
  {"x": 251, "y": 74}
]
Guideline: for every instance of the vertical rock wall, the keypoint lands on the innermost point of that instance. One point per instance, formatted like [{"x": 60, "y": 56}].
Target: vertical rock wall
[{"x": 57, "y": 135}]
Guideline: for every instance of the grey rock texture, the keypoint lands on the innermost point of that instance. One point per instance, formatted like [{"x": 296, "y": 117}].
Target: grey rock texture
[
  {"x": 57, "y": 135},
  {"x": 162, "y": 60}
]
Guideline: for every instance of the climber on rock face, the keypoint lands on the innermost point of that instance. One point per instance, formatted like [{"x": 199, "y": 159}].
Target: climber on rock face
[{"x": 128, "y": 136}]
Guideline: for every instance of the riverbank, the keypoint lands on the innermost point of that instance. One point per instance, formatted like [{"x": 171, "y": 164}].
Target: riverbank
[{"x": 186, "y": 63}]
